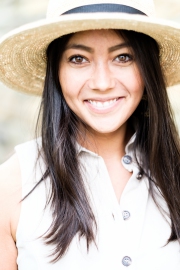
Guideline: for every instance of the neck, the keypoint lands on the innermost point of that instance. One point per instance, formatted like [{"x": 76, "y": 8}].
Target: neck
[{"x": 108, "y": 146}]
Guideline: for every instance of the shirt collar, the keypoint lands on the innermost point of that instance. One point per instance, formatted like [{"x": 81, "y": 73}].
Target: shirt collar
[
  {"x": 81, "y": 149},
  {"x": 128, "y": 147},
  {"x": 128, "y": 151}
]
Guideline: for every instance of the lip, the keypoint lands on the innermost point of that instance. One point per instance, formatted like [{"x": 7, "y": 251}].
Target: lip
[
  {"x": 102, "y": 99},
  {"x": 102, "y": 110}
]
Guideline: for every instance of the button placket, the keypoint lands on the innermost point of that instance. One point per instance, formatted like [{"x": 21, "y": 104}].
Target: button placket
[
  {"x": 127, "y": 208},
  {"x": 134, "y": 200}
]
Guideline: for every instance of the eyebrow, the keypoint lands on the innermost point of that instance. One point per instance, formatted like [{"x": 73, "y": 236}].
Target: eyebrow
[
  {"x": 79, "y": 47},
  {"x": 91, "y": 50},
  {"x": 119, "y": 46}
]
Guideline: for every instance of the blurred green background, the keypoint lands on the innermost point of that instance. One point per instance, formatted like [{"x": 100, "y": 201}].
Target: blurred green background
[{"x": 18, "y": 111}]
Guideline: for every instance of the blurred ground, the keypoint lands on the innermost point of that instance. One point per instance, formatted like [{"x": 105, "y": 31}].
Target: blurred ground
[{"x": 18, "y": 112}]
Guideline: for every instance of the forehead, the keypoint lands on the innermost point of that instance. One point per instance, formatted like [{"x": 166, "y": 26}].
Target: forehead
[{"x": 95, "y": 36}]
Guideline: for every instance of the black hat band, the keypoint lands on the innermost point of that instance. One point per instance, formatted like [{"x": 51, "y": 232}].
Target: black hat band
[{"x": 104, "y": 8}]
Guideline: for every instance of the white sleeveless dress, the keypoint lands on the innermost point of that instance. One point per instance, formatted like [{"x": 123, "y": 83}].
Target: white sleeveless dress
[{"x": 132, "y": 233}]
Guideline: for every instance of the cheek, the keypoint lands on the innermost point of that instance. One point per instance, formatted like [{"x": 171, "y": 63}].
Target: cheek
[
  {"x": 67, "y": 85},
  {"x": 69, "y": 79},
  {"x": 131, "y": 79},
  {"x": 70, "y": 86},
  {"x": 136, "y": 83}
]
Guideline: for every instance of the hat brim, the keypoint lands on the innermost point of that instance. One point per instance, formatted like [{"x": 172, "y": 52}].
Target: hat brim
[{"x": 23, "y": 50}]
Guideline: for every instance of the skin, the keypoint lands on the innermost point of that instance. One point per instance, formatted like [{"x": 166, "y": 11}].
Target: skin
[
  {"x": 10, "y": 196},
  {"x": 102, "y": 74},
  {"x": 98, "y": 67},
  {"x": 104, "y": 70}
]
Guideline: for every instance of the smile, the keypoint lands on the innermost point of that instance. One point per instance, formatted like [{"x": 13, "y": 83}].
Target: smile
[{"x": 103, "y": 104}]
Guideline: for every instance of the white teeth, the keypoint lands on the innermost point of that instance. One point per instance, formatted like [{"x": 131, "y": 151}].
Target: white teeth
[
  {"x": 106, "y": 103},
  {"x": 100, "y": 104}
]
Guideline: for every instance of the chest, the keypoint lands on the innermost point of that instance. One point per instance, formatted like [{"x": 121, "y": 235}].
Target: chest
[
  {"x": 118, "y": 176},
  {"x": 131, "y": 233}
]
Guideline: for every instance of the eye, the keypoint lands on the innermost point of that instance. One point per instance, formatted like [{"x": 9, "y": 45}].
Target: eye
[
  {"x": 78, "y": 59},
  {"x": 124, "y": 58}
]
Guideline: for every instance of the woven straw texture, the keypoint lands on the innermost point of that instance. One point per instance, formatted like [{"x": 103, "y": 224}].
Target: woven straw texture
[{"x": 23, "y": 51}]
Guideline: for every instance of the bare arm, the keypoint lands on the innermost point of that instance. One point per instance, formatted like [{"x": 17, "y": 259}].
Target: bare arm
[
  {"x": 8, "y": 251},
  {"x": 10, "y": 196}
]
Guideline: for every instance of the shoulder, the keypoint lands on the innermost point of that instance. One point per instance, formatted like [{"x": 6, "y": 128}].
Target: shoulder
[
  {"x": 13, "y": 174},
  {"x": 10, "y": 190},
  {"x": 13, "y": 171},
  {"x": 9, "y": 169},
  {"x": 31, "y": 148},
  {"x": 10, "y": 196},
  {"x": 10, "y": 177}
]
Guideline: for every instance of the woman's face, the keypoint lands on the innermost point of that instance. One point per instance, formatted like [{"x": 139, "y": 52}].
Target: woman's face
[{"x": 100, "y": 79}]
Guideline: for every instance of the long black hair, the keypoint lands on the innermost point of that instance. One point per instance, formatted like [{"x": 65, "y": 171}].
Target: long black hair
[{"x": 156, "y": 139}]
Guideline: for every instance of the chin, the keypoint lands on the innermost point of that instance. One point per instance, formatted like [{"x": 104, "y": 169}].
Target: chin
[{"x": 104, "y": 130}]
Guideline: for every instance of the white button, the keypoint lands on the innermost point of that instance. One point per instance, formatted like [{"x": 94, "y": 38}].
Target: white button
[
  {"x": 126, "y": 215},
  {"x": 127, "y": 159},
  {"x": 126, "y": 261}
]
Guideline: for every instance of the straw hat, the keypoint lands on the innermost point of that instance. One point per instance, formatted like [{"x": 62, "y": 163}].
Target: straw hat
[{"x": 23, "y": 50}]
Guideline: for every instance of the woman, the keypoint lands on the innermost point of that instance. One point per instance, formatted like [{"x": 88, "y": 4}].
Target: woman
[{"x": 100, "y": 188}]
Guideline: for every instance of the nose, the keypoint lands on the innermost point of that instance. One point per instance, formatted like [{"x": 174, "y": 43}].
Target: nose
[{"x": 102, "y": 78}]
